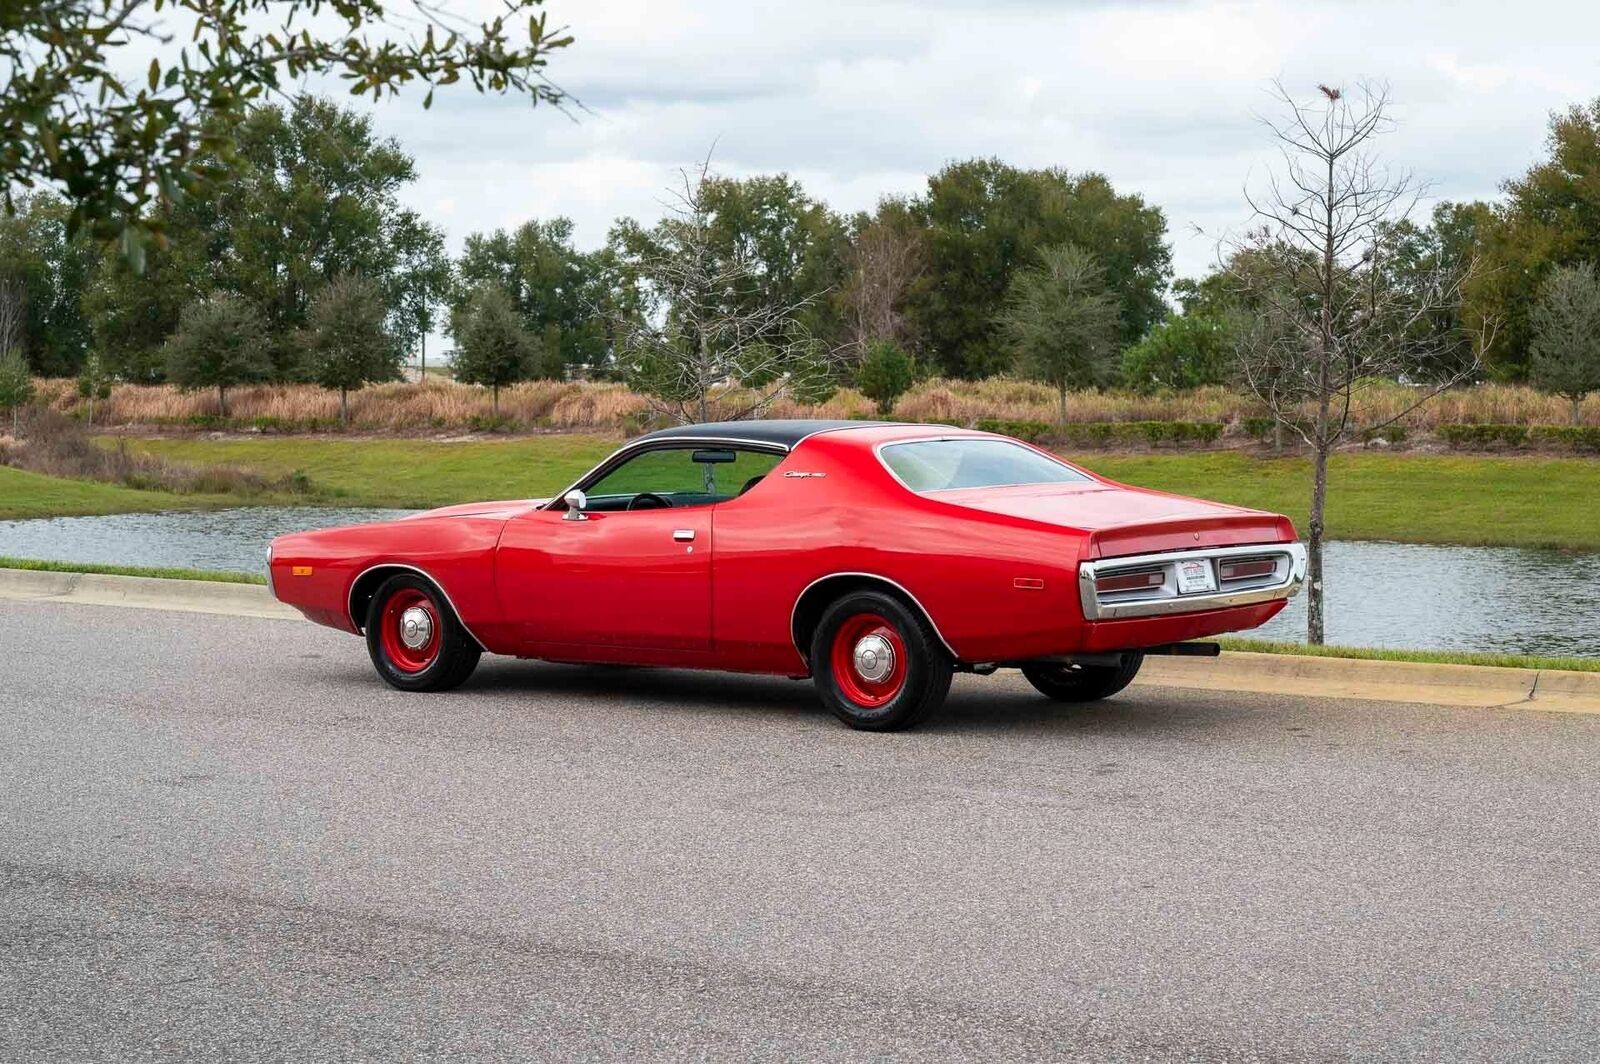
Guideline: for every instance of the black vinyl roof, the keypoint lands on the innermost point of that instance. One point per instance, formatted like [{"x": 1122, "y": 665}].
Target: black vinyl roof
[{"x": 782, "y": 433}]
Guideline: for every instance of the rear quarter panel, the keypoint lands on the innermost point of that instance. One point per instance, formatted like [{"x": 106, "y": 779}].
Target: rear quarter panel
[{"x": 995, "y": 587}]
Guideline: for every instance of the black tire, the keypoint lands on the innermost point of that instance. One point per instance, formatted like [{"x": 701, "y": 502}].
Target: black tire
[
  {"x": 1083, "y": 683},
  {"x": 927, "y": 667},
  {"x": 457, "y": 652}
]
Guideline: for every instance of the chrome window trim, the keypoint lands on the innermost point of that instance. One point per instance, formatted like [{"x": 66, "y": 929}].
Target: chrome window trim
[
  {"x": 671, "y": 443},
  {"x": 1095, "y": 610},
  {"x": 878, "y": 449},
  {"x": 794, "y": 610},
  {"x": 350, "y": 596}
]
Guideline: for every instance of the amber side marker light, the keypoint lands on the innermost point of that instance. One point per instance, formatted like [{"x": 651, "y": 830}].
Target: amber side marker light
[
  {"x": 1130, "y": 581},
  {"x": 1246, "y": 568},
  {"x": 301, "y": 570}
]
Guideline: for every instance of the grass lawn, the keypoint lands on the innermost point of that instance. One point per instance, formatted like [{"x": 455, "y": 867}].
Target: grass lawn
[
  {"x": 35, "y": 565},
  {"x": 403, "y": 472},
  {"x": 24, "y": 494},
  {"x": 1432, "y": 657},
  {"x": 1500, "y": 501},
  {"x": 1415, "y": 498}
]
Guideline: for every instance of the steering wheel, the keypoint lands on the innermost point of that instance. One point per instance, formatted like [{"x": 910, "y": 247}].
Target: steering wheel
[{"x": 657, "y": 502}]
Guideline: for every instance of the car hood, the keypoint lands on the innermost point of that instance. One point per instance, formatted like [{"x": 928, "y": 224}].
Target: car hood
[
  {"x": 1126, "y": 520},
  {"x": 506, "y": 509}
]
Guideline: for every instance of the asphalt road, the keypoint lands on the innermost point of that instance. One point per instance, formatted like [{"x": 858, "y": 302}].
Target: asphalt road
[{"x": 223, "y": 839}]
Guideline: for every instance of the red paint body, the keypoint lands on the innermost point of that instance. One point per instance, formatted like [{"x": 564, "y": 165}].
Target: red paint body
[{"x": 994, "y": 569}]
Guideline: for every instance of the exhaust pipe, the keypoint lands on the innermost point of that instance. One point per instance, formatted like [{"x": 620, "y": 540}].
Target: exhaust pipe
[{"x": 1187, "y": 650}]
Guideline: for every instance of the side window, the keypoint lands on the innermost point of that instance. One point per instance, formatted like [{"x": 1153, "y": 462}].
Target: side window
[{"x": 679, "y": 477}]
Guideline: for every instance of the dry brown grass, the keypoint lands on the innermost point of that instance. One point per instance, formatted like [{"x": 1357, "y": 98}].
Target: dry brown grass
[{"x": 445, "y": 404}]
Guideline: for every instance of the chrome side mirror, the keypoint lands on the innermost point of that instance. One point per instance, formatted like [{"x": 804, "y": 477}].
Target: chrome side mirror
[{"x": 576, "y": 501}]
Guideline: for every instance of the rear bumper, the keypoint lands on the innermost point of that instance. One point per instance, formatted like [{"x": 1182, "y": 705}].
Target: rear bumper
[
  {"x": 1166, "y": 600},
  {"x": 1136, "y": 632}
]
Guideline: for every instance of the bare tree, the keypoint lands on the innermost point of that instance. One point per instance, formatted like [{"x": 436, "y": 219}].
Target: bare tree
[
  {"x": 887, "y": 257},
  {"x": 706, "y": 329},
  {"x": 13, "y": 313},
  {"x": 1329, "y": 318}
]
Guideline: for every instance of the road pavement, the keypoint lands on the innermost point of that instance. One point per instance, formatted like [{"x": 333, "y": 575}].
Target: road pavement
[{"x": 222, "y": 839}]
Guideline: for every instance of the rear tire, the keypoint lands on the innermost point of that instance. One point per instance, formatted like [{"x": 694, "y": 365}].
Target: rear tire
[
  {"x": 1083, "y": 683},
  {"x": 877, "y": 663},
  {"x": 415, "y": 639}
]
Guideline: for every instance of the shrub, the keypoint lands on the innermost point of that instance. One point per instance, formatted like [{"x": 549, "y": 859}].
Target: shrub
[
  {"x": 1585, "y": 438},
  {"x": 1489, "y": 435},
  {"x": 1107, "y": 433},
  {"x": 1389, "y": 434},
  {"x": 884, "y": 374},
  {"x": 1184, "y": 352},
  {"x": 1032, "y": 431},
  {"x": 492, "y": 423}
]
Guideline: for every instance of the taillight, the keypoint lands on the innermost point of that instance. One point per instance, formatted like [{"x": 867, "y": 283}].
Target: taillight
[
  {"x": 1142, "y": 580},
  {"x": 1246, "y": 568}
]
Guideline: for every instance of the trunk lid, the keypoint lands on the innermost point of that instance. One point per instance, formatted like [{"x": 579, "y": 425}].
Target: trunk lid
[{"x": 1121, "y": 520}]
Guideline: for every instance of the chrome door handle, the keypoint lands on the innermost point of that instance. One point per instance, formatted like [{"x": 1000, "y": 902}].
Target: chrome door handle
[{"x": 683, "y": 535}]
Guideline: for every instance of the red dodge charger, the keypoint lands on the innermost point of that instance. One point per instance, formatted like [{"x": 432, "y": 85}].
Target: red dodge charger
[{"x": 877, "y": 559}]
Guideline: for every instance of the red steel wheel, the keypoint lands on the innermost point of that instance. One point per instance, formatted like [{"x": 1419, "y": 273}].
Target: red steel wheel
[
  {"x": 869, "y": 660},
  {"x": 411, "y": 629},
  {"x": 877, "y": 663}
]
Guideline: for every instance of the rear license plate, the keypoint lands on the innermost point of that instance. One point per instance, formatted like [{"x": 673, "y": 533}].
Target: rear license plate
[{"x": 1195, "y": 577}]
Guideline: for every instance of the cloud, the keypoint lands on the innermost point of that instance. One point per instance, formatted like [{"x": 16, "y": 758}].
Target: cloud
[{"x": 862, "y": 99}]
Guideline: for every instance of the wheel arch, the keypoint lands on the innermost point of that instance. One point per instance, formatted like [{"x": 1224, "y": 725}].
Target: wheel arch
[
  {"x": 814, "y": 599},
  {"x": 367, "y": 582}
]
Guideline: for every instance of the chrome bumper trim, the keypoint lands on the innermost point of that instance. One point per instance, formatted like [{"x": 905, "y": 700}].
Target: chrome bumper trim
[{"x": 1166, "y": 600}]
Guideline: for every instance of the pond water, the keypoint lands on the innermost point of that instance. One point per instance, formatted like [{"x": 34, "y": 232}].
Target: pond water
[{"x": 1503, "y": 599}]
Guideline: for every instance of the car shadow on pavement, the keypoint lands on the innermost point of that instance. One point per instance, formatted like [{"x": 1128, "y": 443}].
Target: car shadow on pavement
[{"x": 976, "y": 705}]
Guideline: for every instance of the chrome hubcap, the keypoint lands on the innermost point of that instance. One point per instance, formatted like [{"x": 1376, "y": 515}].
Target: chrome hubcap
[
  {"x": 874, "y": 658},
  {"x": 416, "y": 628}
]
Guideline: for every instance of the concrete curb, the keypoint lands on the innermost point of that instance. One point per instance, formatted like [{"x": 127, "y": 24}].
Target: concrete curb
[
  {"x": 185, "y": 596},
  {"x": 1382, "y": 681},
  {"x": 1285, "y": 674}
]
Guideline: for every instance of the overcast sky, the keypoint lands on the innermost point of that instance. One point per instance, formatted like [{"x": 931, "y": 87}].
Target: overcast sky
[{"x": 861, "y": 99}]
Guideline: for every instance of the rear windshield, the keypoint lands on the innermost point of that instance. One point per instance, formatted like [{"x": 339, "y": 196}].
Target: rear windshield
[{"x": 938, "y": 465}]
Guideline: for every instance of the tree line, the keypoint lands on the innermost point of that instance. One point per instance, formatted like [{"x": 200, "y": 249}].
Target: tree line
[{"x": 991, "y": 269}]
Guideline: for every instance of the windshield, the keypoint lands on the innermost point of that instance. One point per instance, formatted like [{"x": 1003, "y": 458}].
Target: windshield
[{"x": 938, "y": 465}]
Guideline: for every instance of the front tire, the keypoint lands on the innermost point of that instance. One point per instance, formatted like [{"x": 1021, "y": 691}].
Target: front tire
[
  {"x": 877, "y": 664},
  {"x": 414, "y": 638},
  {"x": 1083, "y": 683}
]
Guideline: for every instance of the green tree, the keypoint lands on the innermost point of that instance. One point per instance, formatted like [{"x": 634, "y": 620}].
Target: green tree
[
  {"x": 94, "y": 384},
  {"x": 422, "y": 281},
  {"x": 16, "y": 385},
  {"x": 314, "y": 194},
  {"x": 492, "y": 348},
  {"x": 1412, "y": 257},
  {"x": 1060, "y": 321},
  {"x": 884, "y": 374},
  {"x": 221, "y": 342},
  {"x": 984, "y": 220},
  {"x": 133, "y": 313},
  {"x": 552, "y": 285},
  {"x": 43, "y": 272},
  {"x": 84, "y": 113},
  {"x": 1186, "y": 351},
  {"x": 348, "y": 340},
  {"x": 1566, "y": 335},
  {"x": 1550, "y": 218}
]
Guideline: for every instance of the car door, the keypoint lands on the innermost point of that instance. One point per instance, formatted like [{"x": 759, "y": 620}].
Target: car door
[
  {"x": 619, "y": 576},
  {"x": 622, "y": 579}
]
